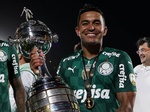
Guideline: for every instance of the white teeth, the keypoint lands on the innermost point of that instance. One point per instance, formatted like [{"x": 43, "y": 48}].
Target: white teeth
[{"x": 90, "y": 35}]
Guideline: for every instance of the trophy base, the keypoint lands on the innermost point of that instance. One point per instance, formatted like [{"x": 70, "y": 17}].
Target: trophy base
[{"x": 47, "y": 95}]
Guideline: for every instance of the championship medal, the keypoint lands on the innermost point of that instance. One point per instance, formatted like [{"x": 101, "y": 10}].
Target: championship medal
[{"x": 89, "y": 103}]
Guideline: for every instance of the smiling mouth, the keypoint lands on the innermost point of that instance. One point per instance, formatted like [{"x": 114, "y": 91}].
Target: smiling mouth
[
  {"x": 142, "y": 57},
  {"x": 91, "y": 35}
]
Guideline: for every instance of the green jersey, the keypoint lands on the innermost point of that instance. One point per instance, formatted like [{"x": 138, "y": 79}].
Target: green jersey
[
  {"x": 113, "y": 73},
  {"x": 9, "y": 68}
]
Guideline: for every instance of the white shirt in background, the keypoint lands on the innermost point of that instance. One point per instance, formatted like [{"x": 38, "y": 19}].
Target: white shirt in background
[{"x": 142, "y": 101}]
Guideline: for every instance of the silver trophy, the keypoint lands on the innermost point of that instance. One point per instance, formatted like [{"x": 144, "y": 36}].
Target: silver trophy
[{"x": 48, "y": 93}]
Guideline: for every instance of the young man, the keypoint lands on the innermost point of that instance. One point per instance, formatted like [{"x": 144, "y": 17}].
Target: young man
[
  {"x": 9, "y": 73},
  {"x": 142, "y": 72},
  {"x": 102, "y": 78}
]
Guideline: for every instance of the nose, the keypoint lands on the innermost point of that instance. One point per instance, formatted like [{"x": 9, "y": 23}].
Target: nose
[
  {"x": 139, "y": 52},
  {"x": 91, "y": 27}
]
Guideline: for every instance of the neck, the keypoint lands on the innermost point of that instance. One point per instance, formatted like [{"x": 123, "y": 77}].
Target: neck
[
  {"x": 91, "y": 51},
  {"x": 146, "y": 64},
  {"x": 21, "y": 61}
]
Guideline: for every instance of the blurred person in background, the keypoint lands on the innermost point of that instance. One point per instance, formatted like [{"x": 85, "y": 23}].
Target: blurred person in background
[{"x": 142, "y": 71}]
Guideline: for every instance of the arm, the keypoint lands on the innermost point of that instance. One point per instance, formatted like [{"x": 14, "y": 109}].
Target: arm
[
  {"x": 125, "y": 84},
  {"x": 15, "y": 79},
  {"x": 19, "y": 94},
  {"x": 126, "y": 101}
]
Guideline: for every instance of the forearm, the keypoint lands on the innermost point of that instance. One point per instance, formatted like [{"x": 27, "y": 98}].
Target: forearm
[
  {"x": 125, "y": 109},
  {"x": 126, "y": 101},
  {"x": 20, "y": 97}
]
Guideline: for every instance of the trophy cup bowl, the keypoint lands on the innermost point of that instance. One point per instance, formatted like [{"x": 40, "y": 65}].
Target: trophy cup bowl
[
  {"x": 46, "y": 93},
  {"x": 32, "y": 34}
]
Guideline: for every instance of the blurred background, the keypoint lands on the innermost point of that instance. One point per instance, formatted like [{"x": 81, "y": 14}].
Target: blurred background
[{"x": 126, "y": 20}]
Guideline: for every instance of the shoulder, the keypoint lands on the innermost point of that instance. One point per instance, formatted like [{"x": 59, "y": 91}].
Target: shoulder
[
  {"x": 72, "y": 56},
  {"x": 27, "y": 75},
  {"x": 114, "y": 52},
  {"x": 138, "y": 67},
  {"x": 6, "y": 46},
  {"x": 4, "y": 43},
  {"x": 25, "y": 69}
]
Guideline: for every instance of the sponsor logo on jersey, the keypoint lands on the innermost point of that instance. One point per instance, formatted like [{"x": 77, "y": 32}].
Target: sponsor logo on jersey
[
  {"x": 105, "y": 68},
  {"x": 14, "y": 63},
  {"x": 3, "y": 56},
  {"x": 96, "y": 93},
  {"x": 122, "y": 76},
  {"x": 110, "y": 54},
  {"x": 72, "y": 69},
  {"x": 132, "y": 79},
  {"x": 3, "y": 44}
]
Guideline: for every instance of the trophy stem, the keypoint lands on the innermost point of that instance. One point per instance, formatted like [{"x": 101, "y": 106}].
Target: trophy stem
[{"x": 44, "y": 72}]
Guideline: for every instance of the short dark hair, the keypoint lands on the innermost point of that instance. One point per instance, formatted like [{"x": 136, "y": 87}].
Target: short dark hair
[
  {"x": 143, "y": 40},
  {"x": 86, "y": 8}
]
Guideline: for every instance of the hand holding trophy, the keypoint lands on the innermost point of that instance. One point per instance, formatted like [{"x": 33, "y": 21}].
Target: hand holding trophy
[{"x": 46, "y": 94}]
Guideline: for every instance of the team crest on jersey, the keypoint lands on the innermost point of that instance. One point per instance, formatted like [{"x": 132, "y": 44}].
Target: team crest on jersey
[
  {"x": 3, "y": 56},
  {"x": 105, "y": 68},
  {"x": 132, "y": 79}
]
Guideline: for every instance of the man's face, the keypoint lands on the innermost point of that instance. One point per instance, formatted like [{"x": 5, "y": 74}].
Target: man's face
[
  {"x": 91, "y": 27},
  {"x": 144, "y": 54}
]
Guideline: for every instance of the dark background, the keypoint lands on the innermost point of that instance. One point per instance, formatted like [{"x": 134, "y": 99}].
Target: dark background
[{"x": 127, "y": 20}]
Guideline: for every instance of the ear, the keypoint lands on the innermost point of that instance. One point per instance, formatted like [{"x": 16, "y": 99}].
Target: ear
[
  {"x": 19, "y": 56},
  {"x": 105, "y": 31},
  {"x": 77, "y": 31}
]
